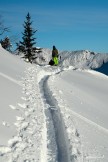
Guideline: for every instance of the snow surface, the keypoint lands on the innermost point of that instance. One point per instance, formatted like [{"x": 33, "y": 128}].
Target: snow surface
[{"x": 53, "y": 114}]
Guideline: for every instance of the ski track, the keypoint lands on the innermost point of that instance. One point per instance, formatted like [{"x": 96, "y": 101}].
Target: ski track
[
  {"x": 60, "y": 133},
  {"x": 97, "y": 126},
  {"x": 10, "y": 79},
  {"x": 67, "y": 138}
]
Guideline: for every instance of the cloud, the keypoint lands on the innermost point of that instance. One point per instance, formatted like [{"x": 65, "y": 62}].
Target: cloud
[
  {"x": 50, "y": 19},
  {"x": 70, "y": 17}
]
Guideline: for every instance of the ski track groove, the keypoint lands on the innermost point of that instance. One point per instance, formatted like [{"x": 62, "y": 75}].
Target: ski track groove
[
  {"x": 59, "y": 128},
  {"x": 90, "y": 122},
  {"x": 10, "y": 79}
]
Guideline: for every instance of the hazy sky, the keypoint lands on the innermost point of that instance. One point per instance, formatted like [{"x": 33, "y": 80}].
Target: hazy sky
[{"x": 67, "y": 24}]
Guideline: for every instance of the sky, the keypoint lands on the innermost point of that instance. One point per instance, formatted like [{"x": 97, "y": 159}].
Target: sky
[{"x": 67, "y": 24}]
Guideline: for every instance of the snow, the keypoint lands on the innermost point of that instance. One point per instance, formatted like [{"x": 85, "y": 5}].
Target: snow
[{"x": 53, "y": 114}]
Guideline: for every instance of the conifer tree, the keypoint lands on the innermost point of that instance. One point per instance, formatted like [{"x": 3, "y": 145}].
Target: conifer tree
[
  {"x": 28, "y": 40},
  {"x": 6, "y": 44}
]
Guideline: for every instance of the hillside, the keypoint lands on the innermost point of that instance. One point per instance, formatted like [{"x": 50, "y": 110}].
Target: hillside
[{"x": 52, "y": 114}]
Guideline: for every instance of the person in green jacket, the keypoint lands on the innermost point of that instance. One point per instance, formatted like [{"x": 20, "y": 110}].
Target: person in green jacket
[{"x": 55, "y": 55}]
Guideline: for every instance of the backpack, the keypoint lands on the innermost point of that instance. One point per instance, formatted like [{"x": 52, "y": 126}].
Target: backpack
[{"x": 51, "y": 62}]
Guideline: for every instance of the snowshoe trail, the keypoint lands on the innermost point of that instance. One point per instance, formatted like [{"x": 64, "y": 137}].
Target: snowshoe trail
[
  {"x": 59, "y": 128},
  {"x": 68, "y": 146}
]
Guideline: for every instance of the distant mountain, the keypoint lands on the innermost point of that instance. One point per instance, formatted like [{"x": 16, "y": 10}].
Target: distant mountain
[
  {"x": 83, "y": 59},
  {"x": 103, "y": 69}
]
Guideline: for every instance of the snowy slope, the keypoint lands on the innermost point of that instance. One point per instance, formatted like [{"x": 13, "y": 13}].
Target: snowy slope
[
  {"x": 52, "y": 114},
  {"x": 11, "y": 71},
  {"x": 83, "y": 99}
]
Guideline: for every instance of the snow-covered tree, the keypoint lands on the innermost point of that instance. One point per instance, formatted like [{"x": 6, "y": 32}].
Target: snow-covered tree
[{"x": 28, "y": 41}]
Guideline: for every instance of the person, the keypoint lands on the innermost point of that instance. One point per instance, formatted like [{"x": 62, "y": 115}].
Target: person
[{"x": 55, "y": 55}]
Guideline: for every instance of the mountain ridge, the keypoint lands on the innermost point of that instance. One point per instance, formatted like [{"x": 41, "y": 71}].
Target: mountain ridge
[{"x": 83, "y": 59}]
